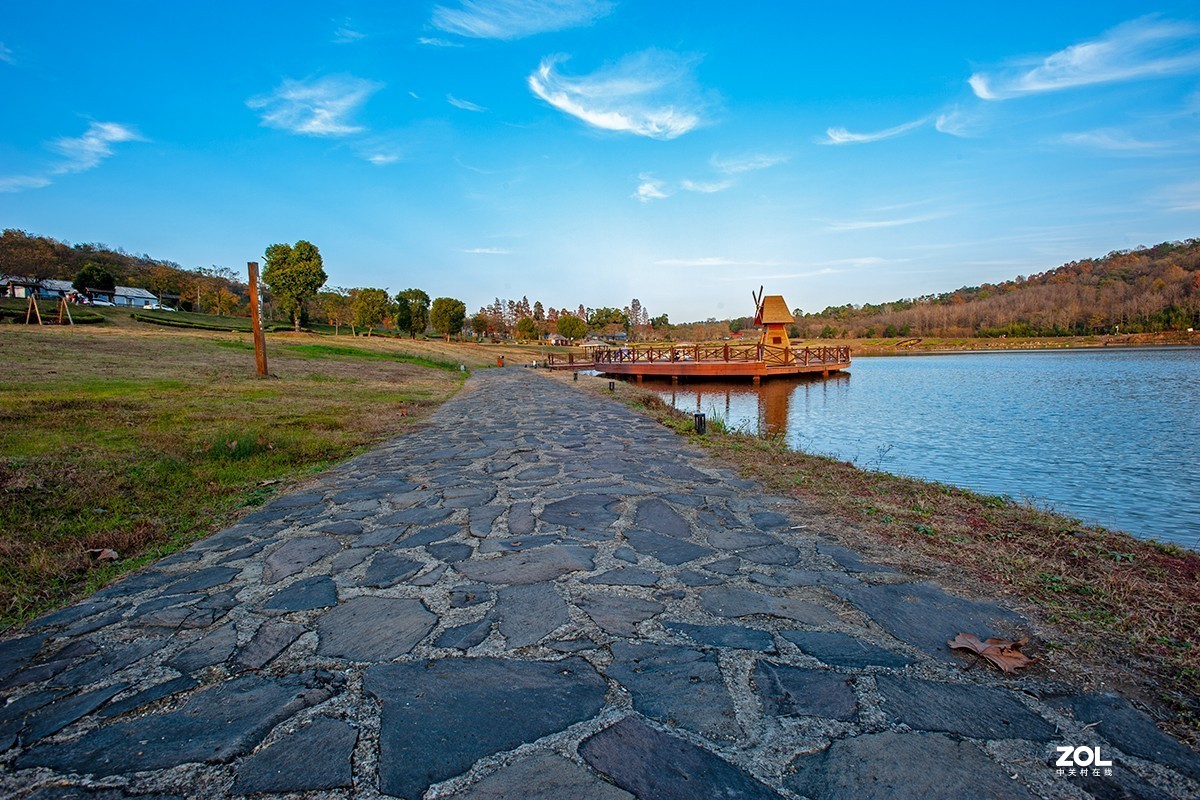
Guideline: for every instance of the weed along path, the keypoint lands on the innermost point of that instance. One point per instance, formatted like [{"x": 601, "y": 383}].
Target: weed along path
[{"x": 541, "y": 594}]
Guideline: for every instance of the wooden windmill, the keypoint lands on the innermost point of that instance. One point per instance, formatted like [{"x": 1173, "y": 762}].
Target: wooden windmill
[{"x": 772, "y": 312}]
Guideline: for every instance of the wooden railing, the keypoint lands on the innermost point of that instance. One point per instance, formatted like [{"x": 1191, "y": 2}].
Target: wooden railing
[{"x": 771, "y": 355}]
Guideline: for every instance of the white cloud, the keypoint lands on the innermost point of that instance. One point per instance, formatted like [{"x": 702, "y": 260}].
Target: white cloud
[
  {"x": 650, "y": 189},
  {"x": 345, "y": 33},
  {"x": 514, "y": 19},
  {"x": 436, "y": 42},
  {"x": 705, "y": 188},
  {"x": 382, "y": 159},
  {"x": 488, "y": 251},
  {"x": 6, "y": 55},
  {"x": 76, "y": 154},
  {"x": 1179, "y": 197},
  {"x": 465, "y": 105},
  {"x": 1142, "y": 48},
  {"x": 958, "y": 122},
  {"x": 652, "y": 94},
  {"x": 861, "y": 225},
  {"x": 319, "y": 107},
  {"x": 1113, "y": 141},
  {"x": 713, "y": 261},
  {"x": 843, "y": 136},
  {"x": 747, "y": 163}
]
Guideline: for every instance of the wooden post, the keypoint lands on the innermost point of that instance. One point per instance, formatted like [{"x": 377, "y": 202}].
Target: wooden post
[{"x": 260, "y": 339}]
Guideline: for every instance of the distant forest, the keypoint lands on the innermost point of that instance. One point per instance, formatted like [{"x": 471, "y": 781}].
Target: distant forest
[{"x": 1149, "y": 289}]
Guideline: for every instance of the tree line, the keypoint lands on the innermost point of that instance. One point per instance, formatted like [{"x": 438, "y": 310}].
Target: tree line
[{"x": 1144, "y": 290}]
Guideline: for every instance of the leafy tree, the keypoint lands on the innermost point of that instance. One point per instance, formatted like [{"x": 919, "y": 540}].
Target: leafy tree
[
  {"x": 659, "y": 322},
  {"x": 402, "y": 312},
  {"x": 418, "y": 310},
  {"x": 335, "y": 307},
  {"x": 479, "y": 324},
  {"x": 94, "y": 276},
  {"x": 294, "y": 274},
  {"x": 448, "y": 315},
  {"x": 571, "y": 327},
  {"x": 526, "y": 328},
  {"x": 370, "y": 307}
]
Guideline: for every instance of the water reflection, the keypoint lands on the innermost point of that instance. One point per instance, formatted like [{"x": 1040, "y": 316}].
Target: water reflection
[{"x": 1108, "y": 436}]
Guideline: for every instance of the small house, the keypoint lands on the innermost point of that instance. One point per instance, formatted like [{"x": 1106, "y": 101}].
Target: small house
[
  {"x": 558, "y": 340},
  {"x": 773, "y": 313}
]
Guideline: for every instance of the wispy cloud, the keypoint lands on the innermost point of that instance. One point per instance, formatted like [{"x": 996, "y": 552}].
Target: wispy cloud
[
  {"x": 6, "y": 55},
  {"x": 1179, "y": 197},
  {"x": 346, "y": 33},
  {"x": 843, "y": 136},
  {"x": 465, "y": 105},
  {"x": 652, "y": 94},
  {"x": 862, "y": 225},
  {"x": 433, "y": 41},
  {"x": 1142, "y": 48},
  {"x": 488, "y": 251},
  {"x": 319, "y": 107},
  {"x": 749, "y": 162},
  {"x": 650, "y": 189},
  {"x": 76, "y": 154},
  {"x": 957, "y": 121},
  {"x": 1113, "y": 141},
  {"x": 514, "y": 19},
  {"x": 710, "y": 187}
]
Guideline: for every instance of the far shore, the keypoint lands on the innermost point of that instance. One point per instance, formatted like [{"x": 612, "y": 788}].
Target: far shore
[{"x": 934, "y": 345}]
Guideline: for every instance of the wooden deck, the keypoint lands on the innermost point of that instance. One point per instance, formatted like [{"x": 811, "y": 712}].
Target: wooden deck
[{"x": 708, "y": 361}]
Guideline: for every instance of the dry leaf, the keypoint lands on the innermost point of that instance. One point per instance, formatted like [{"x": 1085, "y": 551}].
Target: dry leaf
[
  {"x": 103, "y": 554},
  {"x": 1004, "y": 653}
]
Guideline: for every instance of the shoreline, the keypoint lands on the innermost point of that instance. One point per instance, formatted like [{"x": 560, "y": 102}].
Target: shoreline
[{"x": 950, "y": 345}]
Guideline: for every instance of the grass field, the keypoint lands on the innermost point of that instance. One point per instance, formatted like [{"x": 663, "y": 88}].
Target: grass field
[
  {"x": 1112, "y": 610},
  {"x": 143, "y": 439}
]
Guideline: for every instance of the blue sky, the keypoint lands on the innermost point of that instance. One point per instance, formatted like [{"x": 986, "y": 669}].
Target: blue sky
[{"x": 592, "y": 151}]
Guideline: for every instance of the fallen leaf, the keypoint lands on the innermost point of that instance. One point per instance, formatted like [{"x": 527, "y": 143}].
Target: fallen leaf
[
  {"x": 1004, "y": 653},
  {"x": 103, "y": 554}
]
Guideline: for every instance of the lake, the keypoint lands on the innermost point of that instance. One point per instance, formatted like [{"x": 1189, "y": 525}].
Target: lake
[{"x": 1110, "y": 436}]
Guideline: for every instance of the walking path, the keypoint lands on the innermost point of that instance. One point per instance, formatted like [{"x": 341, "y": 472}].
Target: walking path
[{"x": 541, "y": 594}]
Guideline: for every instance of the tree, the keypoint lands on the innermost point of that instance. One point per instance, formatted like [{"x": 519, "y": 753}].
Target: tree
[
  {"x": 370, "y": 307},
  {"x": 526, "y": 328},
  {"x": 571, "y": 326},
  {"x": 335, "y": 307},
  {"x": 294, "y": 274},
  {"x": 94, "y": 276},
  {"x": 448, "y": 315},
  {"x": 402, "y": 312},
  {"x": 418, "y": 310},
  {"x": 479, "y": 323}
]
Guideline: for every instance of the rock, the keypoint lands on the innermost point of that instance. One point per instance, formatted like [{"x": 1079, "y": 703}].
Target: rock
[
  {"x": 625, "y": 576},
  {"x": 725, "y": 636},
  {"x": 581, "y": 512},
  {"x": 345, "y": 527},
  {"x": 214, "y": 647},
  {"x": 388, "y": 569},
  {"x": 666, "y": 549},
  {"x": 979, "y": 712},
  {"x": 625, "y": 553},
  {"x": 420, "y": 516},
  {"x": 843, "y": 650},
  {"x": 464, "y": 637},
  {"x": 215, "y": 726},
  {"x": 305, "y": 594},
  {"x": 770, "y": 521},
  {"x": 520, "y": 519},
  {"x": 51, "y": 719},
  {"x": 898, "y": 766},
  {"x": 618, "y": 614},
  {"x": 927, "y": 617},
  {"x": 467, "y": 497},
  {"x": 482, "y": 518},
  {"x": 424, "y": 536},
  {"x": 503, "y": 703},
  {"x": 450, "y": 552},
  {"x": 725, "y": 566},
  {"x": 147, "y": 696},
  {"x": 656, "y": 515},
  {"x": 271, "y": 639},
  {"x": 296, "y": 554},
  {"x": 542, "y": 776},
  {"x": 848, "y": 559},
  {"x": 652, "y": 764},
  {"x": 315, "y": 757},
  {"x": 689, "y": 577},
  {"x": 739, "y": 539},
  {"x": 534, "y": 566},
  {"x": 111, "y": 659},
  {"x": 774, "y": 554},
  {"x": 676, "y": 685},
  {"x": 788, "y": 691},
  {"x": 374, "y": 628},
  {"x": 202, "y": 579},
  {"x": 66, "y": 616},
  {"x": 511, "y": 544},
  {"x": 725, "y": 602},
  {"x": 528, "y": 614}
]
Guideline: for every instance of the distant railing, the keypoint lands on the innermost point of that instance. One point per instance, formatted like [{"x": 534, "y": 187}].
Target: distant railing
[{"x": 771, "y": 355}]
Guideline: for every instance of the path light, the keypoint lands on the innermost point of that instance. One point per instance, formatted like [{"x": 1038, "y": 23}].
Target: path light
[
  {"x": 701, "y": 424},
  {"x": 575, "y": 376},
  {"x": 612, "y": 386}
]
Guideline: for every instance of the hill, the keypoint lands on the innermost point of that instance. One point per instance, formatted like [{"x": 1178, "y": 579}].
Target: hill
[{"x": 1145, "y": 290}]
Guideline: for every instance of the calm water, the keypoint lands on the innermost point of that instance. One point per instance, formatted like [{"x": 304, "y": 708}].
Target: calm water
[{"x": 1110, "y": 436}]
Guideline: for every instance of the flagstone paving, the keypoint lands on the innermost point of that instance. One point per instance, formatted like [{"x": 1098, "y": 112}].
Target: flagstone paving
[{"x": 541, "y": 594}]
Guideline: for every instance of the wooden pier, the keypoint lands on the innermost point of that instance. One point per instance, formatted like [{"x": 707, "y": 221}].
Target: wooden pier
[{"x": 753, "y": 360}]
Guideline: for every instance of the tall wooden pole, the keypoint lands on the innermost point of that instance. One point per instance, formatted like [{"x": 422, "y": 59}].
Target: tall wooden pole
[{"x": 260, "y": 339}]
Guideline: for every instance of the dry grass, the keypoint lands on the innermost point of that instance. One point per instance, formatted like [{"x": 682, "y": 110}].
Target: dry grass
[
  {"x": 1111, "y": 608},
  {"x": 144, "y": 439}
]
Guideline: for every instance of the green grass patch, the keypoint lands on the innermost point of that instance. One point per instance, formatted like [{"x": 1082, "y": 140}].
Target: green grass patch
[{"x": 342, "y": 351}]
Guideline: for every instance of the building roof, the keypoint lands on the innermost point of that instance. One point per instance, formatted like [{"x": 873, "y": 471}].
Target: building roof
[
  {"x": 134, "y": 291},
  {"x": 774, "y": 311}
]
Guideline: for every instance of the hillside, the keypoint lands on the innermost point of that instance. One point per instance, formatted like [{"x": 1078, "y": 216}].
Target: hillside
[{"x": 1146, "y": 290}]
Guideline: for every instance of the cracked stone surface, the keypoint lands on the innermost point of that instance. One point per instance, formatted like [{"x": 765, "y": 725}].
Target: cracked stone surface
[{"x": 538, "y": 593}]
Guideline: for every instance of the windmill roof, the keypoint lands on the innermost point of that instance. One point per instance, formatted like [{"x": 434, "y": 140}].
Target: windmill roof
[{"x": 775, "y": 310}]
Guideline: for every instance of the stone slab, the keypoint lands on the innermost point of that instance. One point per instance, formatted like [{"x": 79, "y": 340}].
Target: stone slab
[
  {"x": 666, "y": 549},
  {"x": 305, "y": 594},
  {"x": 271, "y": 639},
  {"x": 388, "y": 569},
  {"x": 735, "y": 636},
  {"x": 527, "y": 614},
  {"x": 533, "y": 566},
  {"x": 315, "y": 757},
  {"x": 296, "y": 554},
  {"x": 655, "y": 514},
  {"x": 789, "y": 691},
  {"x": 733, "y": 603},
  {"x": 979, "y": 712},
  {"x": 543, "y": 776},
  {"x": 625, "y": 576},
  {"x": 502, "y": 703},
  {"x": 843, "y": 650},
  {"x": 374, "y": 628},
  {"x": 618, "y": 614}
]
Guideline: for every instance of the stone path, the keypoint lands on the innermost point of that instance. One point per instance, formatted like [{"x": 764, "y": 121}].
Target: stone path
[{"x": 541, "y": 594}]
